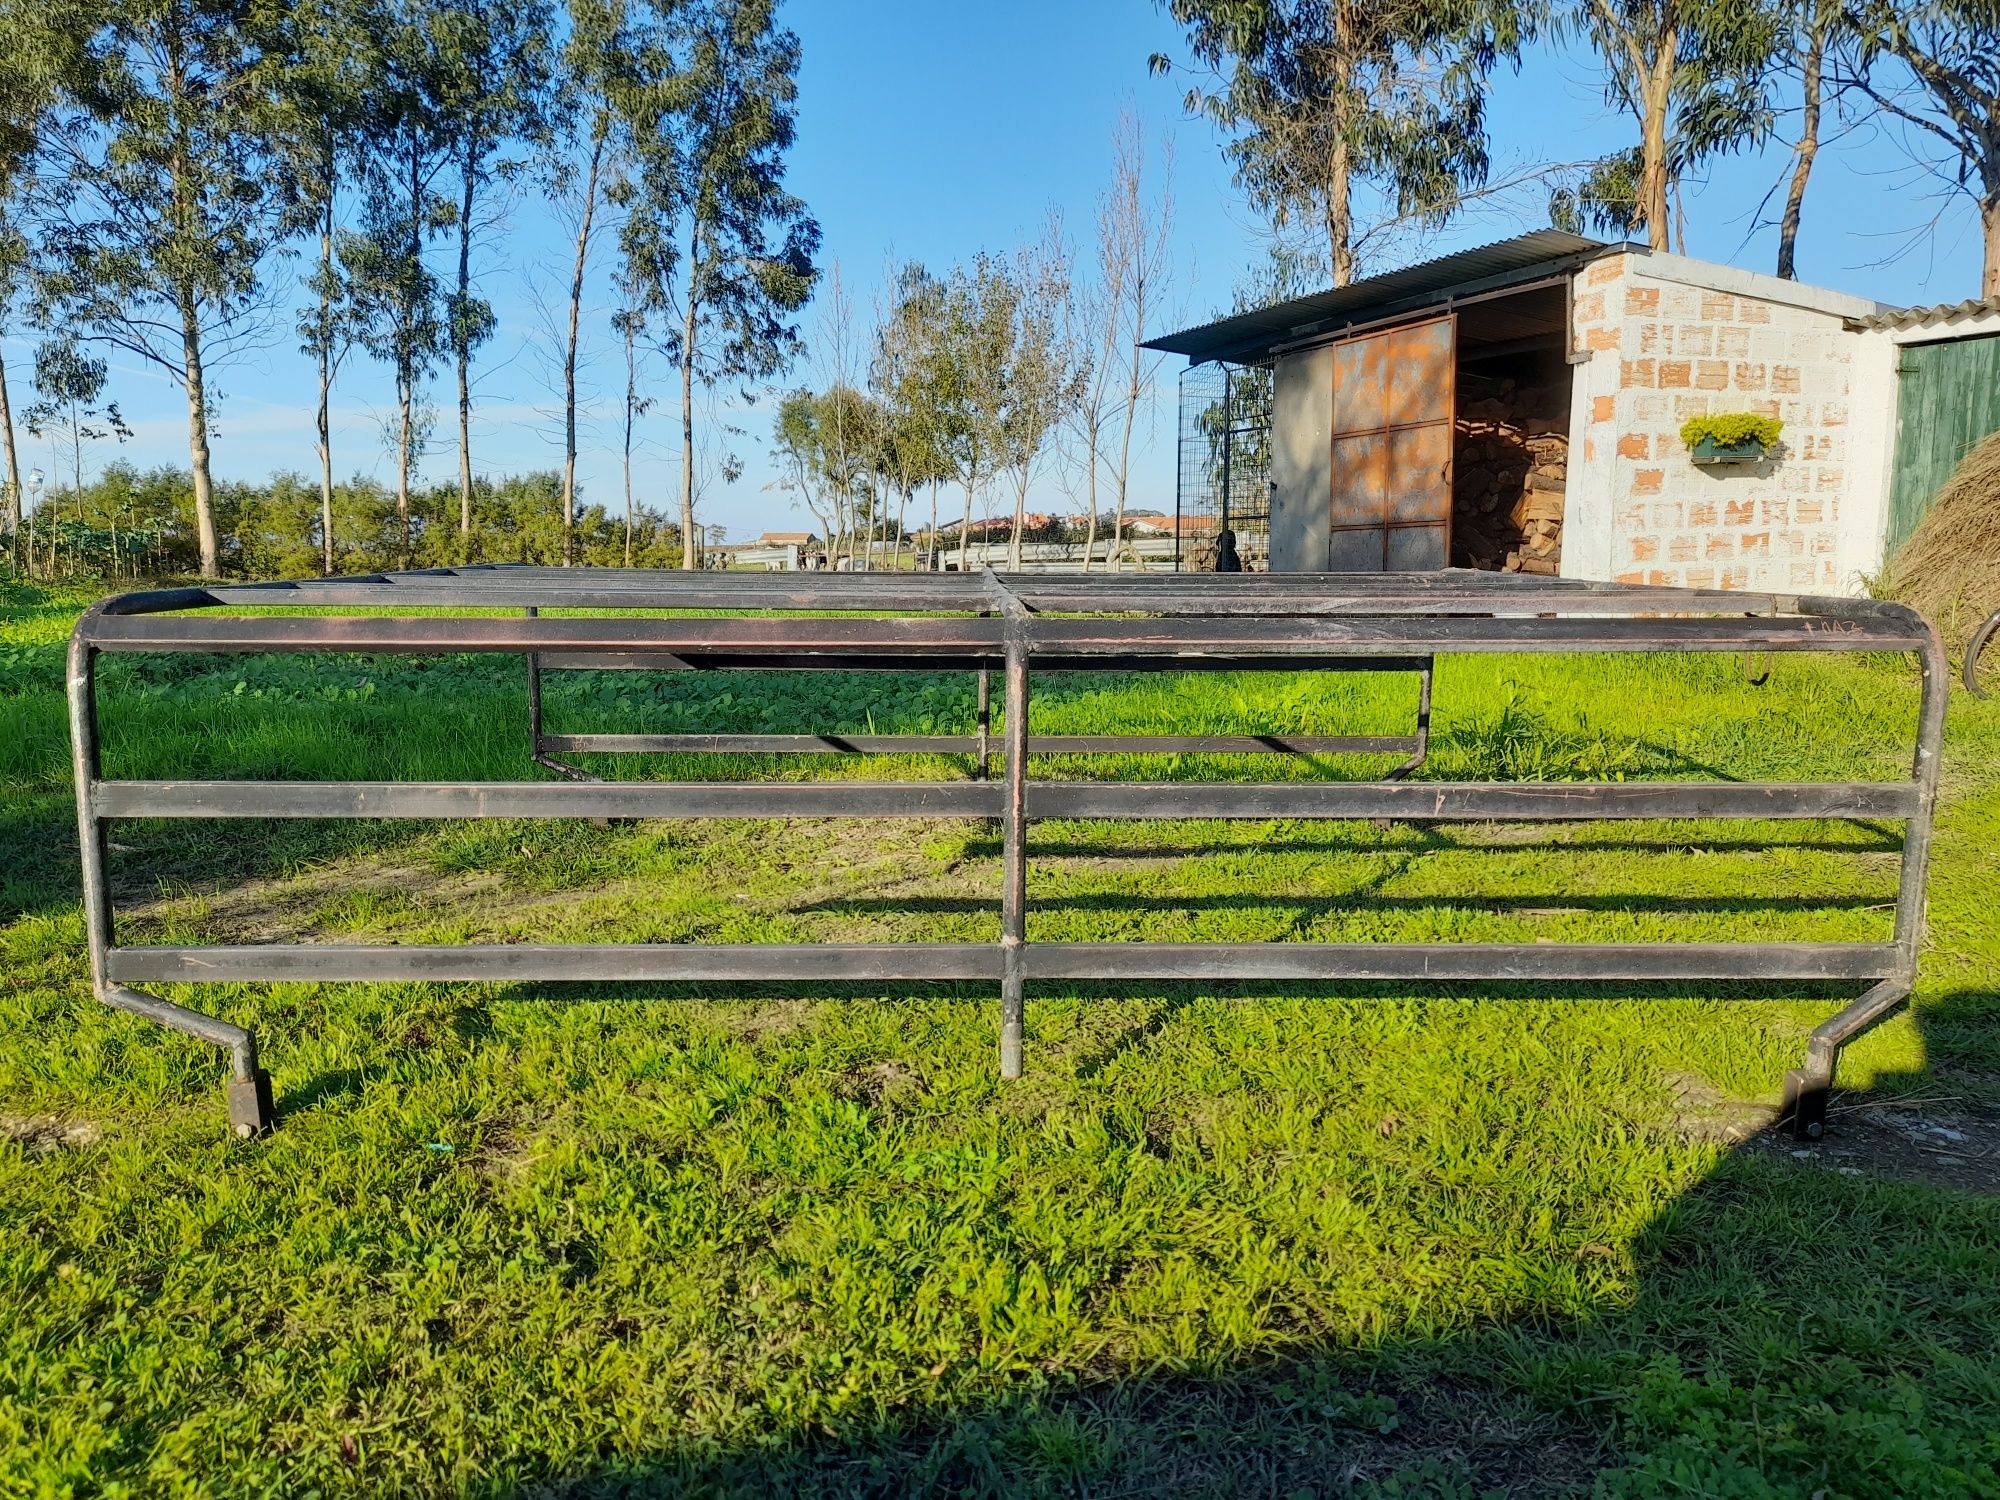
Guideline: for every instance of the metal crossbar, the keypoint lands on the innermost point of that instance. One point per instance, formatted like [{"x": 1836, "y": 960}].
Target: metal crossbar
[{"x": 1019, "y": 627}]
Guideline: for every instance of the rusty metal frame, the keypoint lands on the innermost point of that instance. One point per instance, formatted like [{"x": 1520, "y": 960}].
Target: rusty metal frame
[{"x": 1019, "y": 626}]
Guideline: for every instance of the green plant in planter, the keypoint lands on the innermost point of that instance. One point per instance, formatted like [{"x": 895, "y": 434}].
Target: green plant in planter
[{"x": 1722, "y": 437}]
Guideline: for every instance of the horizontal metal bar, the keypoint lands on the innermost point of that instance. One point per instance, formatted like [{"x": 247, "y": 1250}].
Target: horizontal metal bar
[
  {"x": 1464, "y": 961},
  {"x": 544, "y": 963},
  {"x": 871, "y": 962},
  {"x": 611, "y": 661},
  {"x": 1370, "y": 636},
  {"x": 1418, "y": 801},
  {"x": 554, "y": 799},
  {"x": 443, "y": 634},
  {"x": 968, "y": 744},
  {"x": 975, "y": 641},
  {"x": 1472, "y": 801},
  {"x": 1041, "y": 595}
]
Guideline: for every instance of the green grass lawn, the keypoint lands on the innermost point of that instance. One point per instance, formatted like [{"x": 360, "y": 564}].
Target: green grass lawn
[{"x": 563, "y": 1241}]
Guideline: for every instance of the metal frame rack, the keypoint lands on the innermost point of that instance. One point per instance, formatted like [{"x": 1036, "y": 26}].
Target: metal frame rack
[{"x": 1020, "y": 626}]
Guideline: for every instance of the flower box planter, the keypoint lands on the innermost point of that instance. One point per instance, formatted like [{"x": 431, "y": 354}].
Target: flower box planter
[{"x": 1709, "y": 451}]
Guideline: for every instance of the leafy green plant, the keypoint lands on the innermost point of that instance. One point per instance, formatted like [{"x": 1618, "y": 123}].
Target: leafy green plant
[{"x": 1732, "y": 429}]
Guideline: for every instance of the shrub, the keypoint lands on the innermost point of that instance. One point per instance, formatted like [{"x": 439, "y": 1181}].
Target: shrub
[{"x": 1732, "y": 429}]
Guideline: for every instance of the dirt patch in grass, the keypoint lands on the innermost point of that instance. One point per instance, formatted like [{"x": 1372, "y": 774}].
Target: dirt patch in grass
[
  {"x": 757, "y": 1021},
  {"x": 44, "y": 1135},
  {"x": 1505, "y": 1448},
  {"x": 886, "y": 1082},
  {"x": 287, "y": 908},
  {"x": 1936, "y": 1143},
  {"x": 504, "y": 1154},
  {"x": 1702, "y": 1112}
]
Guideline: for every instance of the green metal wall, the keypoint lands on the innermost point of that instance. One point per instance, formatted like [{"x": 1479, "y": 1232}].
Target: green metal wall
[{"x": 1947, "y": 399}]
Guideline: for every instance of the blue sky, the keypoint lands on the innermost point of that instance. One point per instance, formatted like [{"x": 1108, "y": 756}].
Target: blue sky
[{"x": 930, "y": 129}]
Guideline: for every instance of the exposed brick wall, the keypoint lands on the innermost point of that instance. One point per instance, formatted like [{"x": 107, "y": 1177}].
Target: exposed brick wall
[{"x": 1661, "y": 352}]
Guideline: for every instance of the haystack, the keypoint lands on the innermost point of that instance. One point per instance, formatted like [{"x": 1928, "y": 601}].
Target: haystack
[{"x": 1950, "y": 566}]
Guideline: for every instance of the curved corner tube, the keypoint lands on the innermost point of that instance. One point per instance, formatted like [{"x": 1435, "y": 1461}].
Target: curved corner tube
[
  {"x": 1807, "y": 1089},
  {"x": 1980, "y": 638},
  {"x": 250, "y": 1106}
]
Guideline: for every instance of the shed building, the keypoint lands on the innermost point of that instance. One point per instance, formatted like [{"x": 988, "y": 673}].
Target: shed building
[{"x": 1518, "y": 407}]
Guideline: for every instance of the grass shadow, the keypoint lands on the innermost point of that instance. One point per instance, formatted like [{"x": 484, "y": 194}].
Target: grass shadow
[{"x": 1761, "y": 1344}]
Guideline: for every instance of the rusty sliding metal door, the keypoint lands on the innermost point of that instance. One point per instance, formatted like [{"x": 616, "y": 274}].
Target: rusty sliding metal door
[{"x": 1395, "y": 398}]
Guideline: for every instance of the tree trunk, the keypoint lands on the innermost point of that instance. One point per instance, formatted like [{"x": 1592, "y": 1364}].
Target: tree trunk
[
  {"x": 1340, "y": 164},
  {"x": 1340, "y": 212},
  {"x": 406, "y": 398},
  {"x": 1125, "y": 442},
  {"x": 14, "y": 513},
  {"x": 1653, "y": 203},
  {"x": 597, "y": 138},
  {"x": 1989, "y": 223},
  {"x": 462, "y": 347},
  {"x": 934, "y": 530},
  {"x": 1020, "y": 518},
  {"x": 1090, "y": 492},
  {"x": 631, "y": 392},
  {"x": 1808, "y": 148},
  {"x": 325, "y": 414},
  {"x": 197, "y": 398},
  {"x": 965, "y": 527},
  {"x": 902, "y": 514},
  {"x": 688, "y": 552}
]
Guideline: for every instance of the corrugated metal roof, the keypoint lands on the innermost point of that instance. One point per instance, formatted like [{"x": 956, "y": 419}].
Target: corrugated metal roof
[
  {"x": 1926, "y": 317},
  {"x": 1254, "y": 334}
]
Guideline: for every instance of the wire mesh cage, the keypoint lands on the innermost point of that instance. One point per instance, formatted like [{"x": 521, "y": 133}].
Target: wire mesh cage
[{"x": 1224, "y": 483}]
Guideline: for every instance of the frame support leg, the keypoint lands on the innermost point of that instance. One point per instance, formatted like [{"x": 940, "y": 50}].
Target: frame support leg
[
  {"x": 1808, "y": 1089},
  {"x": 251, "y": 1110},
  {"x": 982, "y": 769},
  {"x": 536, "y": 753},
  {"x": 1423, "y": 736},
  {"x": 1014, "y": 865}
]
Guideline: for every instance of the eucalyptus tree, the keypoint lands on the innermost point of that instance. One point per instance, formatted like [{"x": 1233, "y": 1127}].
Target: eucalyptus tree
[
  {"x": 1813, "y": 30},
  {"x": 746, "y": 244},
  {"x": 494, "y": 78},
  {"x": 1320, "y": 96},
  {"x": 901, "y": 376},
  {"x": 1045, "y": 373},
  {"x": 591, "y": 85},
  {"x": 800, "y": 450},
  {"x": 968, "y": 371},
  {"x": 1935, "y": 66},
  {"x": 399, "y": 309},
  {"x": 71, "y": 384},
  {"x": 329, "y": 77},
  {"x": 629, "y": 322},
  {"x": 41, "y": 58},
  {"x": 168, "y": 202},
  {"x": 1694, "y": 76},
  {"x": 1135, "y": 227}
]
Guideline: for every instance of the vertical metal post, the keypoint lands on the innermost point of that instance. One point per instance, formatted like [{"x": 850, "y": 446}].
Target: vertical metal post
[
  {"x": 1423, "y": 736},
  {"x": 982, "y": 768},
  {"x": 250, "y": 1108},
  {"x": 1180, "y": 464},
  {"x": 1014, "y": 857},
  {"x": 1809, "y": 1089},
  {"x": 1228, "y": 453},
  {"x": 534, "y": 696},
  {"x": 1924, "y": 771},
  {"x": 89, "y": 827}
]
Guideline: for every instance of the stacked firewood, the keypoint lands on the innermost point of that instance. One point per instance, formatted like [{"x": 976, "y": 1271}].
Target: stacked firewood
[{"x": 1511, "y": 461}]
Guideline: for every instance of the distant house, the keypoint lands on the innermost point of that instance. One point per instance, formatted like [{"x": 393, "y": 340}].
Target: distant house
[
  {"x": 1519, "y": 406},
  {"x": 779, "y": 552},
  {"x": 1171, "y": 525}
]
